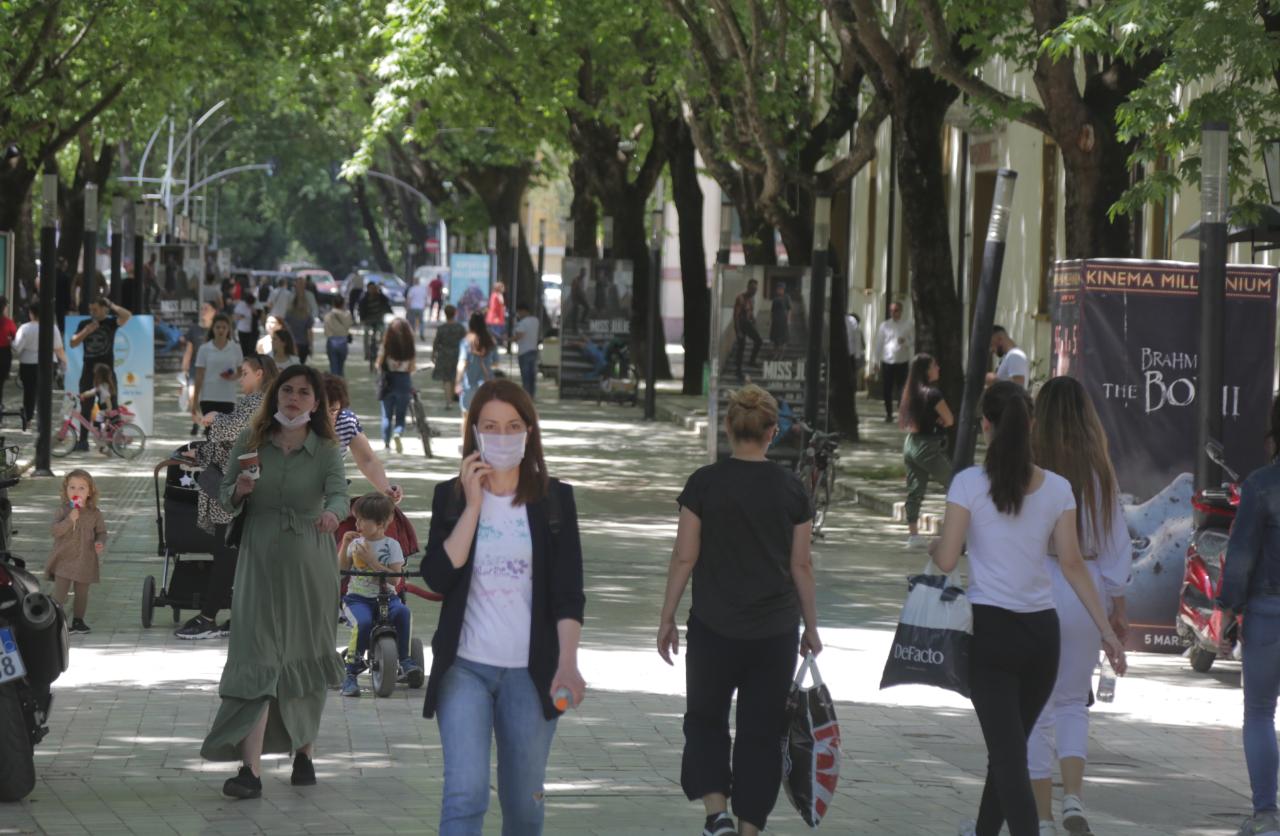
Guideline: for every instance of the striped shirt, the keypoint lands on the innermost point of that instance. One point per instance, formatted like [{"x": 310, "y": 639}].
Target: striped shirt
[{"x": 347, "y": 426}]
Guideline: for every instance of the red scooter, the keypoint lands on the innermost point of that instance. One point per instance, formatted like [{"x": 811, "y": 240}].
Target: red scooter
[{"x": 1200, "y": 620}]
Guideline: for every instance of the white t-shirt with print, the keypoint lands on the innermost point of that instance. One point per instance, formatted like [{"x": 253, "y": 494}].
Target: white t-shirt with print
[
  {"x": 1007, "y": 563},
  {"x": 387, "y": 552},
  {"x": 1014, "y": 364},
  {"x": 495, "y": 628},
  {"x": 215, "y": 362}
]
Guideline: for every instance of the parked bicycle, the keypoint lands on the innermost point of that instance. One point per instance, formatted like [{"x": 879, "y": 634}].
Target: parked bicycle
[
  {"x": 114, "y": 432},
  {"x": 816, "y": 468}
]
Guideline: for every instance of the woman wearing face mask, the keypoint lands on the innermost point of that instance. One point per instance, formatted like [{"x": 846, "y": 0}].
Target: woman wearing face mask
[
  {"x": 281, "y": 660},
  {"x": 504, "y": 552},
  {"x": 222, "y": 430}
]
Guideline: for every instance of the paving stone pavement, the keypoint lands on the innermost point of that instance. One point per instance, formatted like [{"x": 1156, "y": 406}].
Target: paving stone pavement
[{"x": 129, "y": 715}]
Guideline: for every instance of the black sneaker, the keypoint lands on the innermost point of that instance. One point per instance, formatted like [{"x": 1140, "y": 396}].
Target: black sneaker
[
  {"x": 719, "y": 825},
  {"x": 198, "y": 628},
  {"x": 81, "y": 447},
  {"x": 244, "y": 785},
  {"x": 304, "y": 771},
  {"x": 224, "y": 629},
  {"x": 78, "y": 626}
]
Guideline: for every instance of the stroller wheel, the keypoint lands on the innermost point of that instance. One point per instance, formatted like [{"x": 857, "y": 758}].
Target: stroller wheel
[
  {"x": 419, "y": 677},
  {"x": 148, "y": 600},
  {"x": 177, "y": 616}
]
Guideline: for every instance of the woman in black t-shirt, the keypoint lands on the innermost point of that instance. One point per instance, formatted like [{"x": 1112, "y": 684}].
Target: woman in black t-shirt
[
  {"x": 744, "y": 537},
  {"x": 925, "y": 416}
]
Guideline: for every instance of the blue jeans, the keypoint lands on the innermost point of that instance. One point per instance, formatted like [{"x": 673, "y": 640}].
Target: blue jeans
[
  {"x": 478, "y": 702},
  {"x": 365, "y": 610},
  {"x": 1261, "y": 684},
  {"x": 416, "y": 322},
  {"x": 337, "y": 348},
  {"x": 529, "y": 371},
  {"x": 394, "y": 405}
]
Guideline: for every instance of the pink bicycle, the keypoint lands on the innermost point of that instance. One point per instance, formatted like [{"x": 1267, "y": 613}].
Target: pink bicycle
[{"x": 115, "y": 432}]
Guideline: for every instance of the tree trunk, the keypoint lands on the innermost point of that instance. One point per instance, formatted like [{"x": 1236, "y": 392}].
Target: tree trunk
[
  {"x": 584, "y": 214},
  {"x": 631, "y": 243},
  {"x": 918, "y": 115},
  {"x": 687, "y": 196},
  {"x": 16, "y": 216},
  {"x": 370, "y": 222},
  {"x": 1096, "y": 177},
  {"x": 501, "y": 189},
  {"x": 842, "y": 405}
]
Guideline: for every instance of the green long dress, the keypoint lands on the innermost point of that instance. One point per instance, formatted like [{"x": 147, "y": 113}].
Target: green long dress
[{"x": 285, "y": 606}]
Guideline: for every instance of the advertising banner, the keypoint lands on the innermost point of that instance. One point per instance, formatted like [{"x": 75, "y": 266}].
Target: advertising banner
[
  {"x": 595, "y": 331},
  {"x": 135, "y": 359},
  {"x": 1130, "y": 332},
  {"x": 468, "y": 283},
  {"x": 760, "y": 334}
]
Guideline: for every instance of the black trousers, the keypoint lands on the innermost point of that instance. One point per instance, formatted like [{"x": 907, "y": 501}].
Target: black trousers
[
  {"x": 893, "y": 378},
  {"x": 248, "y": 343},
  {"x": 746, "y": 330},
  {"x": 760, "y": 670},
  {"x": 1012, "y": 669},
  {"x": 217, "y": 591},
  {"x": 29, "y": 374}
]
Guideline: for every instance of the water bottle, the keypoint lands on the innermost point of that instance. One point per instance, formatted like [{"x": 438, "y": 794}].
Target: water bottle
[
  {"x": 1106, "y": 681},
  {"x": 562, "y": 699}
]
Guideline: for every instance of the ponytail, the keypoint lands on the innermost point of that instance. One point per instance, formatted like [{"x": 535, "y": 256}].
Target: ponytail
[{"x": 1007, "y": 407}]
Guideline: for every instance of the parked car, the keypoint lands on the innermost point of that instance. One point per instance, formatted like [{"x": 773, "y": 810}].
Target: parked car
[{"x": 326, "y": 286}]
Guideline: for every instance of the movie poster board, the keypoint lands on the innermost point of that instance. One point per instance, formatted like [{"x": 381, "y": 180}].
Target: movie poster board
[
  {"x": 767, "y": 345},
  {"x": 595, "y": 329},
  {"x": 135, "y": 359},
  {"x": 1129, "y": 331},
  {"x": 468, "y": 283}
]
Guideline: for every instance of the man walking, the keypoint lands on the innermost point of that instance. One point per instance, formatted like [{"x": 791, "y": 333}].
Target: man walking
[
  {"x": 437, "y": 296},
  {"x": 526, "y": 337},
  {"x": 744, "y": 327},
  {"x": 1013, "y": 360},
  {"x": 415, "y": 306},
  {"x": 894, "y": 344}
]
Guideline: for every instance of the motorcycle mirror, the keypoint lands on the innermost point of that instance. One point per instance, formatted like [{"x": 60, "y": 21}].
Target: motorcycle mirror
[{"x": 1214, "y": 450}]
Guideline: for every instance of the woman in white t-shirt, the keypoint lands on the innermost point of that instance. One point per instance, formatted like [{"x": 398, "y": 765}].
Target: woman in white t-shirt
[
  {"x": 26, "y": 346},
  {"x": 1008, "y": 511},
  {"x": 217, "y": 368}
]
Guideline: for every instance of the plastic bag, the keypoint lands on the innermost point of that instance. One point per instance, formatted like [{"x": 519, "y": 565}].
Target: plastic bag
[
  {"x": 811, "y": 748},
  {"x": 931, "y": 645}
]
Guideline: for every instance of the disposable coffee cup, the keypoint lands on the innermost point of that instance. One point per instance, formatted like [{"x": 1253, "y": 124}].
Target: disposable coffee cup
[{"x": 249, "y": 464}]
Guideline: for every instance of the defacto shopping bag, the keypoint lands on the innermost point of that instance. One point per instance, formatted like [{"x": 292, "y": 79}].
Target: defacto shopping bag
[
  {"x": 811, "y": 749},
  {"x": 931, "y": 646}
]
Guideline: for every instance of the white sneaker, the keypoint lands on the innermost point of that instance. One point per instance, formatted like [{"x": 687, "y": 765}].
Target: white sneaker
[
  {"x": 1073, "y": 816},
  {"x": 967, "y": 829},
  {"x": 916, "y": 542},
  {"x": 1047, "y": 828}
]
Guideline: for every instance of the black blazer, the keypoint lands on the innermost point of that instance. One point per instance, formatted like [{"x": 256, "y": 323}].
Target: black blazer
[{"x": 557, "y": 588}]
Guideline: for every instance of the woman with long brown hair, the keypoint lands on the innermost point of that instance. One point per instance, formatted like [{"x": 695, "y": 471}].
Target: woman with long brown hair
[
  {"x": 281, "y": 660},
  {"x": 504, "y": 552},
  {"x": 1068, "y": 439},
  {"x": 475, "y": 359},
  {"x": 924, "y": 414},
  {"x": 1007, "y": 511},
  {"x": 395, "y": 364}
]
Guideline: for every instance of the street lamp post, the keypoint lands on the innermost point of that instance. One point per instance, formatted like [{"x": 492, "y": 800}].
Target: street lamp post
[
  {"x": 48, "y": 277},
  {"x": 568, "y": 238},
  {"x": 654, "y": 317},
  {"x": 117, "y": 247},
  {"x": 542, "y": 254},
  {"x": 1214, "y": 193},
  {"x": 89, "y": 277},
  {"x": 817, "y": 302},
  {"x": 984, "y": 316},
  {"x": 138, "y": 303},
  {"x": 607, "y": 223}
]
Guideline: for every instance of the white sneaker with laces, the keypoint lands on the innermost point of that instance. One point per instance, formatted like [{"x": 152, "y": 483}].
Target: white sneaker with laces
[
  {"x": 1047, "y": 828},
  {"x": 1073, "y": 816},
  {"x": 917, "y": 541}
]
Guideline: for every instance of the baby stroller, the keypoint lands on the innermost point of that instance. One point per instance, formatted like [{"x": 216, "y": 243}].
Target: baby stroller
[
  {"x": 186, "y": 548},
  {"x": 381, "y": 659}
]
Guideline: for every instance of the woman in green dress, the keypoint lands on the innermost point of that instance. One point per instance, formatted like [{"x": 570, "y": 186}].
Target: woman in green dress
[{"x": 281, "y": 660}]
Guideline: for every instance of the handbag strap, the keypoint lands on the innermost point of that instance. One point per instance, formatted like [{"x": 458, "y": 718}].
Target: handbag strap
[{"x": 808, "y": 666}]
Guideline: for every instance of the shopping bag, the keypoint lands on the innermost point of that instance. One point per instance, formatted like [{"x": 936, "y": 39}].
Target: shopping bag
[
  {"x": 811, "y": 748},
  {"x": 931, "y": 645}
]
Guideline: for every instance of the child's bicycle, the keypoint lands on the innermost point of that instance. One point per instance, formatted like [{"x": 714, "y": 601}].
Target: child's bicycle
[
  {"x": 115, "y": 432},
  {"x": 382, "y": 659}
]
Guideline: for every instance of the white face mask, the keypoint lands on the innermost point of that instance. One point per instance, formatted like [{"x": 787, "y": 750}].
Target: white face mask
[
  {"x": 293, "y": 423},
  {"x": 502, "y": 452}
]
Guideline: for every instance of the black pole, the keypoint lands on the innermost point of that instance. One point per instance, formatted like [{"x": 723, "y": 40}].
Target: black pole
[
  {"x": 89, "y": 273},
  {"x": 136, "y": 304},
  {"x": 1214, "y": 189},
  {"x": 542, "y": 254},
  {"x": 44, "y": 374},
  {"x": 117, "y": 249},
  {"x": 984, "y": 315},
  {"x": 892, "y": 226},
  {"x": 817, "y": 303},
  {"x": 651, "y": 336}
]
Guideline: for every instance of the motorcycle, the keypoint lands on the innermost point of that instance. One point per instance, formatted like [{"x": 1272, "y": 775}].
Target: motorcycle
[
  {"x": 1201, "y": 623},
  {"x": 34, "y": 650}
]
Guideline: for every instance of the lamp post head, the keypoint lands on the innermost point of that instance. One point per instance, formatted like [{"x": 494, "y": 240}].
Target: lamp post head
[
  {"x": 608, "y": 232},
  {"x": 49, "y": 199},
  {"x": 1001, "y": 204},
  {"x": 657, "y": 216},
  {"x": 1214, "y": 186},
  {"x": 726, "y": 225},
  {"x": 821, "y": 222}
]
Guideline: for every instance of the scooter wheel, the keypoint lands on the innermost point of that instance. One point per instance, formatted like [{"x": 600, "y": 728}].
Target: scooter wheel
[{"x": 1201, "y": 659}]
